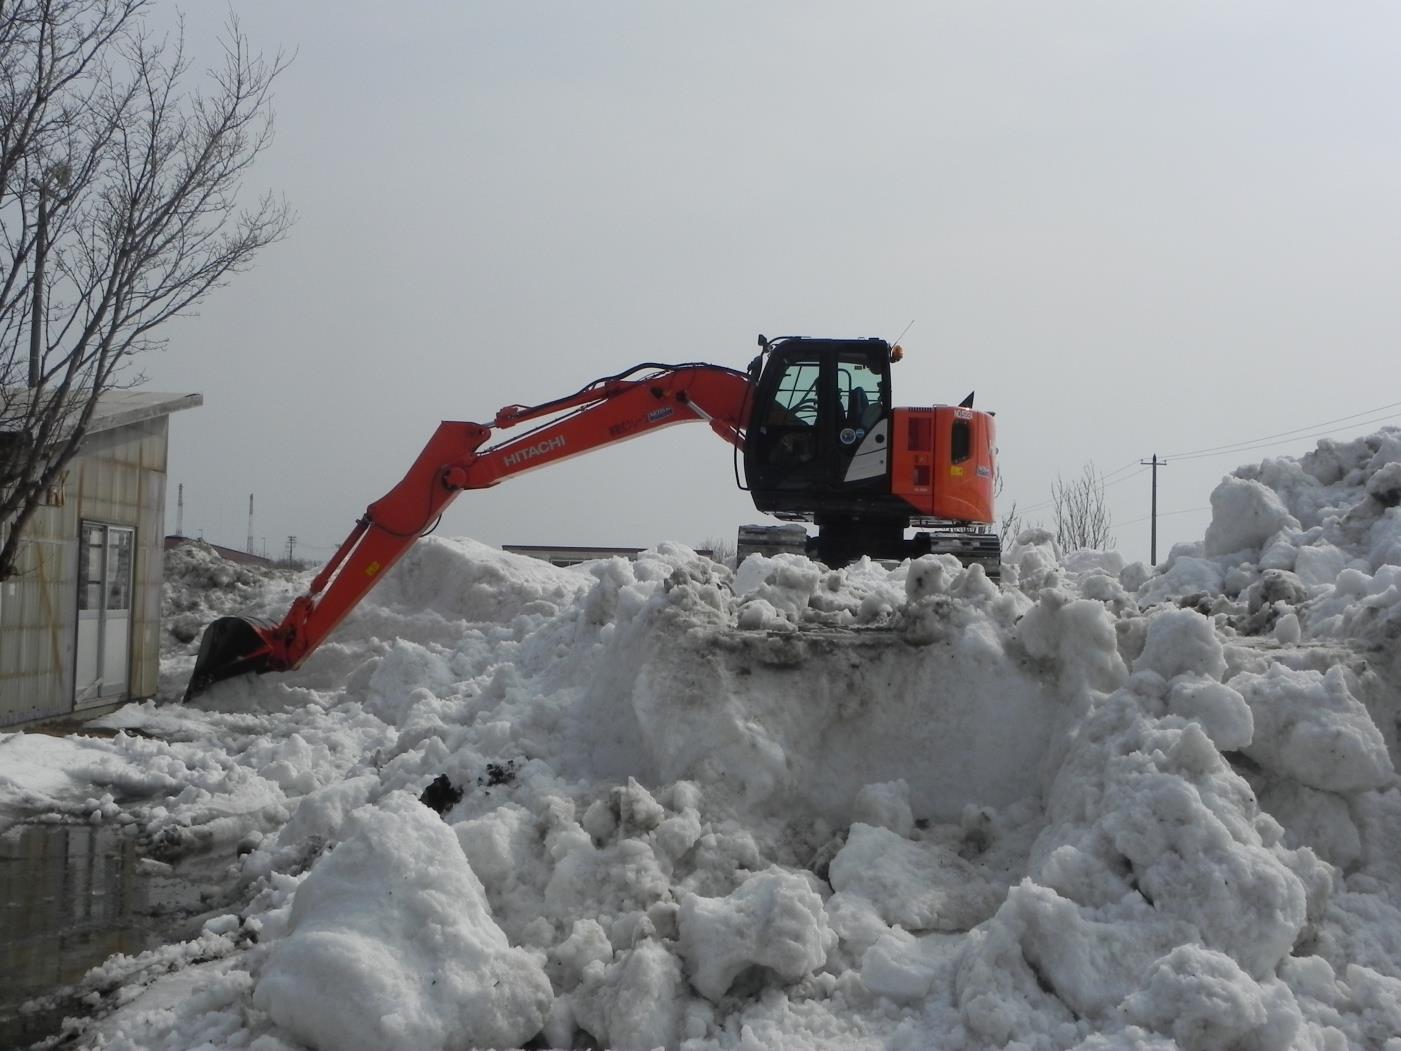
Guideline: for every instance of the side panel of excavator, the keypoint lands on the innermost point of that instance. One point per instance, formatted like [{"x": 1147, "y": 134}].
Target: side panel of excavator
[{"x": 943, "y": 463}]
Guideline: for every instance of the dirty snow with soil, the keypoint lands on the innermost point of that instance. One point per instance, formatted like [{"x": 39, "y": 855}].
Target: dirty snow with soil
[{"x": 1097, "y": 806}]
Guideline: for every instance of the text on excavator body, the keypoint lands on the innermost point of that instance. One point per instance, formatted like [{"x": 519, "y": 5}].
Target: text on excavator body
[{"x": 530, "y": 452}]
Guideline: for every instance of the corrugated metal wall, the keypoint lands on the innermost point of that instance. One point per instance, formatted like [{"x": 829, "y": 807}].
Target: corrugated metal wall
[
  {"x": 37, "y": 617},
  {"x": 119, "y": 479}
]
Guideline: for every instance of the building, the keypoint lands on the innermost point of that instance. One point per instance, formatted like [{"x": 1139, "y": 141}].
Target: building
[
  {"x": 80, "y": 621},
  {"x": 560, "y": 555},
  {"x": 228, "y": 554}
]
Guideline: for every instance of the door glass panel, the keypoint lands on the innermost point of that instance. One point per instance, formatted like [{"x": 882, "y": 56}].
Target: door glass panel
[
  {"x": 119, "y": 549},
  {"x": 859, "y": 396},
  {"x": 90, "y": 568}
]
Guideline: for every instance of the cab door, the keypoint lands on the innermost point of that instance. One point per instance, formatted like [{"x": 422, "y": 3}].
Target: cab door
[
  {"x": 862, "y": 427},
  {"x": 787, "y": 445}
]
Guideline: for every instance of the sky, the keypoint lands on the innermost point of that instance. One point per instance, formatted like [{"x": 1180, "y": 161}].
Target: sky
[{"x": 1133, "y": 229}]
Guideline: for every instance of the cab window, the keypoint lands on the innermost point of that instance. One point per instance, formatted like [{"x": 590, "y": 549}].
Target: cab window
[
  {"x": 962, "y": 445},
  {"x": 860, "y": 395},
  {"x": 796, "y": 400}
]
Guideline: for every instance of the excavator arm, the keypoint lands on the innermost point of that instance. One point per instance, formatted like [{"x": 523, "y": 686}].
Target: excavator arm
[{"x": 458, "y": 457}]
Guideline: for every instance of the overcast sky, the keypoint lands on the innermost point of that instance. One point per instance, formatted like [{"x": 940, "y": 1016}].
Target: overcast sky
[{"x": 1132, "y": 228}]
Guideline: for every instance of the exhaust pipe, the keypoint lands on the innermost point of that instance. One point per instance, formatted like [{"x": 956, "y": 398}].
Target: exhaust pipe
[{"x": 233, "y": 646}]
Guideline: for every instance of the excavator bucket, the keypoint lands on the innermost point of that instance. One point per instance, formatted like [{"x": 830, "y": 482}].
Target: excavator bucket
[{"x": 232, "y": 646}]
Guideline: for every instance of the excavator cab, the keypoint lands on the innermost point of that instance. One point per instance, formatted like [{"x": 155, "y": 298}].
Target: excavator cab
[
  {"x": 818, "y": 446},
  {"x": 825, "y": 445},
  {"x": 820, "y": 425}
]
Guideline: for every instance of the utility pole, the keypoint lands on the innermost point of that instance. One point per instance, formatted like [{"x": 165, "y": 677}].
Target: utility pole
[
  {"x": 57, "y": 176},
  {"x": 250, "y": 523},
  {"x": 291, "y": 547},
  {"x": 180, "y": 511},
  {"x": 36, "y": 307},
  {"x": 1154, "y": 463}
]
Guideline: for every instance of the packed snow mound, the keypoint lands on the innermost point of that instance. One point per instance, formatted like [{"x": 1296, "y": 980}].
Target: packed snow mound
[
  {"x": 1307, "y": 548},
  {"x": 687, "y": 806},
  {"x": 465, "y": 580}
]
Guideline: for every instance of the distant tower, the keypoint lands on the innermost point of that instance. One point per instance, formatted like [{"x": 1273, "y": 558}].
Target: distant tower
[
  {"x": 250, "y": 523},
  {"x": 180, "y": 510}
]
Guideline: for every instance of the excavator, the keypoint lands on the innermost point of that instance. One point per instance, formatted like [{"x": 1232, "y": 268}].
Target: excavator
[{"x": 813, "y": 419}]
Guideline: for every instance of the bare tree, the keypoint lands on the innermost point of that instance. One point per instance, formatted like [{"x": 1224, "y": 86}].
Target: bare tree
[
  {"x": 119, "y": 210},
  {"x": 1082, "y": 518},
  {"x": 1009, "y": 519},
  {"x": 722, "y": 551}
]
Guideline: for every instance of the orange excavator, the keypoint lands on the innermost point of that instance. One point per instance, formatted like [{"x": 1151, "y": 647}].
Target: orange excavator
[{"x": 813, "y": 419}]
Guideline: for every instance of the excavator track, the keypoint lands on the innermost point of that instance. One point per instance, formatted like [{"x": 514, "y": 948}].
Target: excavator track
[{"x": 968, "y": 546}]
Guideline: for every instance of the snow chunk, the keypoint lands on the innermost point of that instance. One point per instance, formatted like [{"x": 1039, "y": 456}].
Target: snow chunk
[
  {"x": 1288, "y": 630},
  {"x": 901, "y": 967},
  {"x": 1319, "y": 564},
  {"x": 778, "y": 587},
  {"x": 1184, "y": 575},
  {"x": 1309, "y": 727},
  {"x": 635, "y": 1003},
  {"x": 432, "y": 970},
  {"x": 1080, "y": 635},
  {"x": 1385, "y": 485},
  {"x": 587, "y": 943},
  {"x": 1242, "y": 897},
  {"x": 1221, "y": 710},
  {"x": 1091, "y": 964},
  {"x": 1244, "y": 515},
  {"x": 773, "y": 919},
  {"x": 1318, "y": 820},
  {"x": 886, "y": 805},
  {"x": 931, "y": 575},
  {"x": 920, "y": 886},
  {"x": 1182, "y": 641},
  {"x": 1203, "y": 999}
]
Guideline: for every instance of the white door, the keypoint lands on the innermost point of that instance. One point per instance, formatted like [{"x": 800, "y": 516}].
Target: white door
[{"x": 104, "y": 613}]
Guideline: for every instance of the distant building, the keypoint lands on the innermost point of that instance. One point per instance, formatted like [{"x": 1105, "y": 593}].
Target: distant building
[
  {"x": 229, "y": 554},
  {"x": 572, "y": 556},
  {"x": 80, "y": 621}
]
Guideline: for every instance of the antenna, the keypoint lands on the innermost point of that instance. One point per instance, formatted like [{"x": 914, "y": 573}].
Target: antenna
[{"x": 904, "y": 330}]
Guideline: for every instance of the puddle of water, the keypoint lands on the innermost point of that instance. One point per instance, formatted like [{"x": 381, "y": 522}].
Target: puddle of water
[{"x": 70, "y": 897}]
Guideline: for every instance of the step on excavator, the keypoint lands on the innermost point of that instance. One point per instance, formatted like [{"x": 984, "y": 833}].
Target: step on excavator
[{"x": 821, "y": 440}]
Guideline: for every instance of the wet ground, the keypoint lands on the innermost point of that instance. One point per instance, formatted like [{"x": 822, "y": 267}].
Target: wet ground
[{"x": 71, "y": 896}]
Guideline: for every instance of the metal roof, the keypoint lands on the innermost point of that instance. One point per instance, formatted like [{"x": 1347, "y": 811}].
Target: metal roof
[
  {"x": 115, "y": 408},
  {"x": 118, "y": 408}
]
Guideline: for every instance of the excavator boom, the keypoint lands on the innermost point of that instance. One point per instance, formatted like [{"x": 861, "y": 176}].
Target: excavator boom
[{"x": 457, "y": 457}]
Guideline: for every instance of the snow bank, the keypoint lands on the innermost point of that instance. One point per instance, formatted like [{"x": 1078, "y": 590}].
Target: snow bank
[{"x": 1096, "y": 806}]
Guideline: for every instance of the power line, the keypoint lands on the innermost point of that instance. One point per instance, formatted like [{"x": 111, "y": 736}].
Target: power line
[
  {"x": 1327, "y": 433},
  {"x": 1100, "y": 488},
  {"x": 1117, "y": 470},
  {"x": 1164, "y": 514},
  {"x": 1230, "y": 447}
]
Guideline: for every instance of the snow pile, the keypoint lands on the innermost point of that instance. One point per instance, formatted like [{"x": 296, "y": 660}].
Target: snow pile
[
  {"x": 683, "y": 806},
  {"x": 1307, "y": 548}
]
